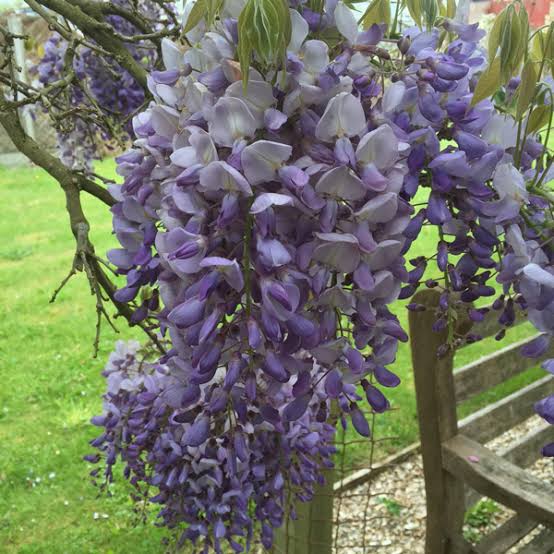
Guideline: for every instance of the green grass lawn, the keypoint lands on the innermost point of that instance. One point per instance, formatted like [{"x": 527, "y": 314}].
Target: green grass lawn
[{"x": 51, "y": 385}]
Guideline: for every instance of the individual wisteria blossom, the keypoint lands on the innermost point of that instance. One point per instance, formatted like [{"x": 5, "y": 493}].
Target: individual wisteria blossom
[{"x": 263, "y": 229}]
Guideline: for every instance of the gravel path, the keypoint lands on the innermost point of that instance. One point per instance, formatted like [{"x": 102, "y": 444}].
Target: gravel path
[{"x": 393, "y": 506}]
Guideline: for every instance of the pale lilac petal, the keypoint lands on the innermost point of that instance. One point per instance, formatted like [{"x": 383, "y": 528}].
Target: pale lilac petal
[
  {"x": 373, "y": 179},
  {"x": 121, "y": 258},
  {"x": 299, "y": 32},
  {"x": 379, "y": 147},
  {"x": 262, "y": 159},
  {"x": 386, "y": 253},
  {"x": 380, "y": 209},
  {"x": 184, "y": 157},
  {"x": 341, "y": 183},
  {"x": 393, "y": 96},
  {"x": 453, "y": 163},
  {"x": 363, "y": 277},
  {"x": 258, "y": 97},
  {"x": 315, "y": 56},
  {"x": 165, "y": 121},
  {"x": 274, "y": 119},
  {"x": 272, "y": 253},
  {"x": 539, "y": 275},
  {"x": 268, "y": 199},
  {"x": 169, "y": 243},
  {"x": 232, "y": 120},
  {"x": 203, "y": 146},
  {"x": 169, "y": 94},
  {"x": 293, "y": 177},
  {"x": 187, "y": 202},
  {"x": 344, "y": 116},
  {"x": 339, "y": 250},
  {"x": 171, "y": 54},
  {"x": 222, "y": 176},
  {"x": 346, "y": 22}
]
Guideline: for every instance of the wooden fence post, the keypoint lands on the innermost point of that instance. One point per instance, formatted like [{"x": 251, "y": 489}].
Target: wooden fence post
[
  {"x": 436, "y": 407},
  {"x": 312, "y": 531}
]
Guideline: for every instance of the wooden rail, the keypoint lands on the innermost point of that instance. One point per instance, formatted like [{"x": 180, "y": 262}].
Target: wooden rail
[{"x": 454, "y": 457}]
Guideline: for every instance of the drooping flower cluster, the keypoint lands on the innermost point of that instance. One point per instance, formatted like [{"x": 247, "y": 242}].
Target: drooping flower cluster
[
  {"x": 98, "y": 79},
  {"x": 489, "y": 193},
  {"x": 269, "y": 222},
  {"x": 159, "y": 426},
  {"x": 264, "y": 228},
  {"x": 493, "y": 213}
]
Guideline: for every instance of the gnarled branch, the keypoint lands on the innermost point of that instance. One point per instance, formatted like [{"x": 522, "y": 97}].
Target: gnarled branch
[{"x": 103, "y": 35}]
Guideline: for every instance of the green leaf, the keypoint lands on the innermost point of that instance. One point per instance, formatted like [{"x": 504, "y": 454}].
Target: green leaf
[
  {"x": 506, "y": 40},
  {"x": 316, "y": 5},
  {"x": 430, "y": 11},
  {"x": 195, "y": 16},
  {"x": 542, "y": 47},
  {"x": 488, "y": 83},
  {"x": 514, "y": 55},
  {"x": 244, "y": 48},
  {"x": 264, "y": 29},
  {"x": 539, "y": 117},
  {"x": 414, "y": 8},
  {"x": 495, "y": 34},
  {"x": 526, "y": 88},
  {"x": 524, "y": 25},
  {"x": 378, "y": 12},
  {"x": 450, "y": 8}
]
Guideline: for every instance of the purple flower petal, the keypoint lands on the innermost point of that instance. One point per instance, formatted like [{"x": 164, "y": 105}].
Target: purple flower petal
[
  {"x": 333, "y": 384},
  {"x": 188, "y": 313},
  {"x": 297, "y": 408},
  {"x": 359, "y": 422},
  {"x": 197, "y": 433},
  {"x": 222, "y": 176},
  {"x": 386, "y": 377},
  {"x": 274, "y": 368}
]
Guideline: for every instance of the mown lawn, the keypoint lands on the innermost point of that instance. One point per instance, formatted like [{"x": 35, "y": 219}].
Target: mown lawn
[{"x": 51, "y": 385}]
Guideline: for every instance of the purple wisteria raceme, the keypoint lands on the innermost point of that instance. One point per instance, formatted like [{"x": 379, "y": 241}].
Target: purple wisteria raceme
[
  {"x": 263, "y": 230},
  {"x": 269, "y": 224}
]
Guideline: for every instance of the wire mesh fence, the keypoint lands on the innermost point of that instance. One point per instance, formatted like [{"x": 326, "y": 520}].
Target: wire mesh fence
[{"x": 347, "y": 509}]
